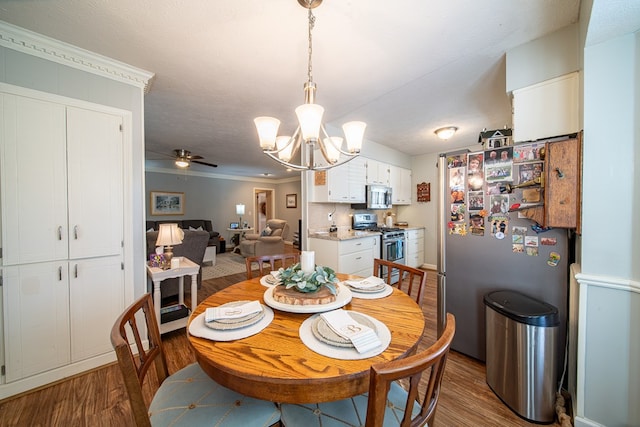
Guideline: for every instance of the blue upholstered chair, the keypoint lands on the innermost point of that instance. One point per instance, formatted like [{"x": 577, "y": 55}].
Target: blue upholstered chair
[
  {"x": 189, "y": 397},
  {"x": 386, "y": 403}
]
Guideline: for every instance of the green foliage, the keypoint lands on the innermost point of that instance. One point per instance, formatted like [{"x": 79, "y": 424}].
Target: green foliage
[{"x": 293, "y": 277}]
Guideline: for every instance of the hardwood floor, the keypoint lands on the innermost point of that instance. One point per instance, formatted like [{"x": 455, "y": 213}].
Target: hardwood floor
[{"x": 98, "y": 398}]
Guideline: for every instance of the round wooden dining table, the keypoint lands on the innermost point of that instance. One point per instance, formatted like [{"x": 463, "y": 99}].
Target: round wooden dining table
[{"x": 276, "y": 365}]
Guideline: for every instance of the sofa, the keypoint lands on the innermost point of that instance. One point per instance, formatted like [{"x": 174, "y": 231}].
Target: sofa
[
  {"x": 269, "y": 242},
  {"x": 193, "y": 246},
  {"x": 191, "y": 224}
]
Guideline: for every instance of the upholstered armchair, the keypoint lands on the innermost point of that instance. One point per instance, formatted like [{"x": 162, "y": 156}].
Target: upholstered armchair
[{"x": 269, "y": 242}]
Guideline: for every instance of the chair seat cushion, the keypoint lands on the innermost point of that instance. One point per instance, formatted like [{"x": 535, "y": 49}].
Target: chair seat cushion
[
  {"x": 347, "y": 412},
  {"x": 191, "y": 398}
]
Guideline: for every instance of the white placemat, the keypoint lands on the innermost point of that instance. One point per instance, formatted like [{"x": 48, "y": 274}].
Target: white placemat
[
  {"x": 388, "y": 290},
  {"x": 197, "y": 328},
  {"x": 307, "y": 337}
]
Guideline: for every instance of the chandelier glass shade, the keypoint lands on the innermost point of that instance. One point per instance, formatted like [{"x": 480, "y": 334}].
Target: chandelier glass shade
[{"x": 310, "y": 131}]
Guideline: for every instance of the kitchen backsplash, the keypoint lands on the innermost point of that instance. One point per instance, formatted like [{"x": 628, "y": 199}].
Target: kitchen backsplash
[{"x": 318, "y": 213}]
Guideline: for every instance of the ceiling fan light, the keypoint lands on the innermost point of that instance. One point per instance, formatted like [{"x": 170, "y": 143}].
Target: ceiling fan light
[
  {"x": 284, "y": 150},
  {"x": 267, "y": 131},
  {"x": 354, "y": 131},
  {"x": 332, "y": 146},
  {"x": 310, "y": 118},
  {"x": 446, "y": 132},
  {"x": 182, "y": 163}
]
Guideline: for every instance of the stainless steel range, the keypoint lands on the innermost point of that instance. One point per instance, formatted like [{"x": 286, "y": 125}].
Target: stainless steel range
[{"x": 393, "y": 239}]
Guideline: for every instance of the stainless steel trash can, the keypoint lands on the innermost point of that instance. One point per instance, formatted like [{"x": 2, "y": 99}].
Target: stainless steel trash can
[{"x": 522, "y": 334}]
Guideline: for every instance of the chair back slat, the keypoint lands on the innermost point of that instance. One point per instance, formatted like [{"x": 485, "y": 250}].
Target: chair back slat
[
  {"x": 272, "y": 262},
  {"x": 431, "y": 360},
  {"x": 412, "y": 281},
  {"x": 126, "y": 334}
]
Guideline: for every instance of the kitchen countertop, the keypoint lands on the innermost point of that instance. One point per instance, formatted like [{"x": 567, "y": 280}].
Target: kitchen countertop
[
  {"x": 343, "y": 234},
  {"x": 348, "y": 234}
]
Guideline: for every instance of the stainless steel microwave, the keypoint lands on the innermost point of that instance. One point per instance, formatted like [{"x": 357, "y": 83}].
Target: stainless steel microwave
[{"x": 378, "y": 197}]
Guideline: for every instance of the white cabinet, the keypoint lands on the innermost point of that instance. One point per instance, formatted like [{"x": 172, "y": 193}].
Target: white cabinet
[
  {"x": 352, "y": 256},
  {"x": 414, "y": 253},
  {"x": 36, "y": 314},
  {"x": 400, "y": 181},
  {"x": 546, "y": 109},
  {"x": 341, "y": 184},
  {"x": 377, "y": 172},
  {"x": 62, "y": 232}
]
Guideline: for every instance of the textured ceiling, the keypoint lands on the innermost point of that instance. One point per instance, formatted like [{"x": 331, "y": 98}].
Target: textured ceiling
[{"x": 405, "y": 67}]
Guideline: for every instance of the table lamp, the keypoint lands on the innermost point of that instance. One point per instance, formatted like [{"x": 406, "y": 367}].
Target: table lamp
[
  {"x": 240, "y": 212},
  {"x": 169, "y": 235}
]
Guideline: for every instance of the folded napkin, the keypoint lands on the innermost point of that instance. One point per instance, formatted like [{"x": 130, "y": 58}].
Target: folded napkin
[
  {"x": 362, "y": 337},
  {"x": 275, "y": 274},
  {"x": 369, "y": 282},
  {"x": 232, "y": 312}
]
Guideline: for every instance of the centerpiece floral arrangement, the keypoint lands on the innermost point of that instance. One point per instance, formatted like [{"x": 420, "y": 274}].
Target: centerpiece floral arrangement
[{"x": 294, "y": 277}]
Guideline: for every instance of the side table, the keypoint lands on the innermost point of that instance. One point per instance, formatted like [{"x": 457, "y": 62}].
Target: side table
[
  {"x": 157, "y": 275},
  {"x": 239, "y": 232}
]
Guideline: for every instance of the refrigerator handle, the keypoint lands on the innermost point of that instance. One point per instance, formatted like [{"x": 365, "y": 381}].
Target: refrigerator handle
[{"x": 441, "y": 309}]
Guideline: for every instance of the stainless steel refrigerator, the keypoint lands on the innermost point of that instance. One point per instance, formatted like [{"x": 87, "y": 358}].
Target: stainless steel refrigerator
[{"x": 478, "y": 254}]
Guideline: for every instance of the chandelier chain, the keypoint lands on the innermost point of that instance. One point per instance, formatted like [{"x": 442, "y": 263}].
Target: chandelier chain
[{"x": 312, "y": 21}]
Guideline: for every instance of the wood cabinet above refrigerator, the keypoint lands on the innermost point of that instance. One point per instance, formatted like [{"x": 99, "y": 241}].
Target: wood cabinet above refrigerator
[{"x": 562, "y": 185}]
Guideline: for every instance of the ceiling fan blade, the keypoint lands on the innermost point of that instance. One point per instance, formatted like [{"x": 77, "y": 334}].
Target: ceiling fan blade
[
  {"x": 195, "y": 157},
  {"x": 205, "y": 163}
]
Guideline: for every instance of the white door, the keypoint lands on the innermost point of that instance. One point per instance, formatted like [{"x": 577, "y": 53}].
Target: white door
[
  {"x": 94, "y": 144},
  {"x": 36, "y": 318},
  {"x": 33, "y": 175},
  {"x": 96, "y": 299}
]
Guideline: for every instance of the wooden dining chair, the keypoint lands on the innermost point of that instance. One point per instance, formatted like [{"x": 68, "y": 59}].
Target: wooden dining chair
[
  {"x": 386, "y": 400},
  {"x": 272, "y": 261},
  {"x": 413, "y": 281},
  {"x": 188, "y": 397}
]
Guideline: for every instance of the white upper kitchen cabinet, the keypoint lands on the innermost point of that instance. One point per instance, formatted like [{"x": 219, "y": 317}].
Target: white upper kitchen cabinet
[
  {"x": 341, "y": 184},
  {"x": 547, "y": 109},
  {"x": 400, "y": 180},
  {"x": 377, "y": 172}
]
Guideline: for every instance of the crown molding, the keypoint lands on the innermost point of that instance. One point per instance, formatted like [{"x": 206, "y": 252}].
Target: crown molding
[{"x": 30, "y": 43}]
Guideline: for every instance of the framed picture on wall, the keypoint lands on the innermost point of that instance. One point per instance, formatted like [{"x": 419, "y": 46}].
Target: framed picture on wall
[
  {"x": 292, "y": 200},
  {"x": 167, "y": 203}
]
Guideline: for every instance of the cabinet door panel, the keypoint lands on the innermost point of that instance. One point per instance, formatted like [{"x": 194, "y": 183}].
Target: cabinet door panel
[
  {"x": 36, "y": 318},
  {"x": 94, "y": 141},
  {"x": 34, "y": 181},
  {"x": 97, "y": 298},
  {"x": 563, "y": 184}
]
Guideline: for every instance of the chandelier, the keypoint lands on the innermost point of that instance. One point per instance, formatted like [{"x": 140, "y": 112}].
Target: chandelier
[{"x": 310, "y": 129}]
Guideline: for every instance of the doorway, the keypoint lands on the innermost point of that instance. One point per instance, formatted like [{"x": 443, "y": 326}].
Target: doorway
[{"x": 263, "y": 206}]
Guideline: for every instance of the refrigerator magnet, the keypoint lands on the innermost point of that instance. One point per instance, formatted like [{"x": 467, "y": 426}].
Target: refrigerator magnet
[
  {"x": 500, "y": 235},
  {"x": 554, "y": 259}
]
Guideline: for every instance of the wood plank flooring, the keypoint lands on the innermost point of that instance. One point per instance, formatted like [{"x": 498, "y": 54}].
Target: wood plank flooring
[{"x": 98, "y": 398}]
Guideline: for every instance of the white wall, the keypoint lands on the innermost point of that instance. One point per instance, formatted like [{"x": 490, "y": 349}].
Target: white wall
[
  {"x": 609, "y": 321},
  {"x": 214, "y": 197}
]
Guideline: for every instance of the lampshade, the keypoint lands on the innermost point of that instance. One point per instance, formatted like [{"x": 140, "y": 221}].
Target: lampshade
[
  {"x": 446, "y": 132},
  {"x": 267, "y": 130},
  {"x": 332, "y": 145},
  {"x": 285, "y": 149},
  {"x": 354, "y": 131},
  {"x": 169, "y": 235},
  {"x": 239, "y": 209},
  {"x": 182, "y": 163},
  {"x": 310, "y": 118}
]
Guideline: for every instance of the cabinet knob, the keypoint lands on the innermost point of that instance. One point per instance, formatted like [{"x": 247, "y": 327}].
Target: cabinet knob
[
  {"x": 560, "y": 174},
  {"x": 75, "y": 232},
  {"x": 60, "y": 233}
]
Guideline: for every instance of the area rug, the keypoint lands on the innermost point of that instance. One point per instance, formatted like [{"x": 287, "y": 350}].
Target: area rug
[{"x": 226, "y": 264}]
